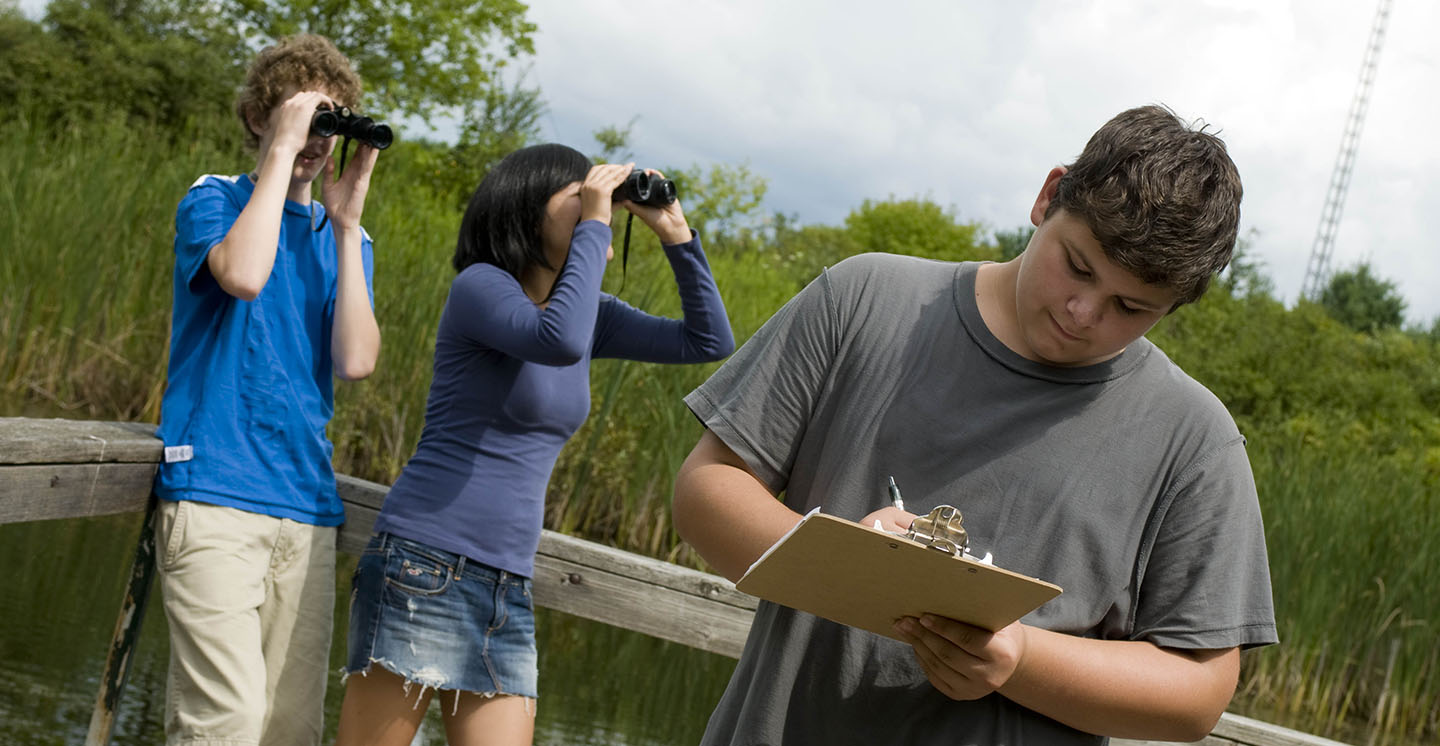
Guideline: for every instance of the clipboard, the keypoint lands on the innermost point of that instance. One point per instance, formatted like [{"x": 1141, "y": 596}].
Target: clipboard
[{"x": 868, "y": 578}]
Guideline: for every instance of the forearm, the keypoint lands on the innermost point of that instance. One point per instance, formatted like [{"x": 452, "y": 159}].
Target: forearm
[
  {"x": 242, "y": 261},
  {"x": 706, "y": 333},
  {"x": 1122, "y": 688},
  {"x": 355, "y": 336},
  {"x": 723, "y": 511}
]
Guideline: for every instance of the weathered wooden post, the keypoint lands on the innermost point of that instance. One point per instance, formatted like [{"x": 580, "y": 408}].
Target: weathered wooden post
[{"x": 127, "y": 633}]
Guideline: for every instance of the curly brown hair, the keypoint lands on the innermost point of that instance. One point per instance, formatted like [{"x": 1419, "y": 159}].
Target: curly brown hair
[
  {"x": 1162, "y": 198},
  {"x": 294, "y": 63}
]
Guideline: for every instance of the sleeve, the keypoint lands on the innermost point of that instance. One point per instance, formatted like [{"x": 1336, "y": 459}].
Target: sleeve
[
  {"x": 1206, "y": 581},
  {"x": 367, "y": 258},
  {"x": 204, "y": 217},
  {"x": 488, "y": 308},
  {"x": 703, "y": 334},
  {"x": 761, "y": 401}
]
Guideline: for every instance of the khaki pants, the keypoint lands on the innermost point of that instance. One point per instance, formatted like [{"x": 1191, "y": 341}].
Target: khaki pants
[{"x": 249, "y": 600}]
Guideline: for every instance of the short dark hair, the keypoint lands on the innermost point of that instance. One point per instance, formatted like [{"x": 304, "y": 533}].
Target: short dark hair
[
  {"x": 1162, "y": 198},
  {"x": 300, "y": 61},
  {"x": 502, "y": 223}
]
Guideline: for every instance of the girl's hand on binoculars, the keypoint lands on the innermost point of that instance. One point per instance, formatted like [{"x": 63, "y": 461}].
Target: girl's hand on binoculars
[
  {"x": 598, "y": 189},
  {"x": 668, "y": 222}
]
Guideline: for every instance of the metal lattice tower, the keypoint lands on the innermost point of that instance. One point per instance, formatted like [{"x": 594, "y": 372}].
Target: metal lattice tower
[{"x": 1317, "y": 272}]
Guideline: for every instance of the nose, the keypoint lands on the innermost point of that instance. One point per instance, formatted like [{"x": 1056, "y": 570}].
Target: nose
[{"x": 1085, "y": 309}]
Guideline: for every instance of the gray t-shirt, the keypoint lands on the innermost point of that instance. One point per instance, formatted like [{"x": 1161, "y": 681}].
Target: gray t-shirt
[{"x": 1126, "y": 483}]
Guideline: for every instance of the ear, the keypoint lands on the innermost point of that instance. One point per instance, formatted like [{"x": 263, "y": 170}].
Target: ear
[
  {"x": 1047, "y": 193},
  {"x": 256, "y": 123}
]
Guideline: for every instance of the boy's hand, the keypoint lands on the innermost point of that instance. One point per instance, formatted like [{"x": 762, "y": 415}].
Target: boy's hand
[
  {"x": 290, "y": 121},
  {"x": 962, "y": 661},
  {"x": 892, "y": 519},
  {"x": 597, "y": 192},
  {"x": 667, "y": 222},
  {"x": 344, "y": 198}
]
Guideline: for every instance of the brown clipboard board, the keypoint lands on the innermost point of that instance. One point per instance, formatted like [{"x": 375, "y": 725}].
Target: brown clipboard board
[{"x": 867, "y": 578}]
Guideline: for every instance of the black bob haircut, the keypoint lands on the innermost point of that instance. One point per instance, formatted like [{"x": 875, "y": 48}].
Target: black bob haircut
[{"x": 502, "y": 223}]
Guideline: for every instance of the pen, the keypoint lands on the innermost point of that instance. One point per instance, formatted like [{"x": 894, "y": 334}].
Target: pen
[{"x": 895, "y": 495}]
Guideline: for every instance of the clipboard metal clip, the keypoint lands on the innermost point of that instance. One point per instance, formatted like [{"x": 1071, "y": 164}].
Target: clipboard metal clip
[{"x": 941, "y": 530}]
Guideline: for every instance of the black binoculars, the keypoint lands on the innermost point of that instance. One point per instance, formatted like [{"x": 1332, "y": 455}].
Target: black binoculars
[
  {"x": 346, "y": 123},
  {"x": 642, "y": 188}
]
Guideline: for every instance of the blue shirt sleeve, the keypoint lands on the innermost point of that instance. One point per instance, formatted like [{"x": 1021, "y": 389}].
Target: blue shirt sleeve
[
  {"x": 202, "y": 220},
  {"x": 490, "y": 309},
  {"x": 703, "y": 335}
]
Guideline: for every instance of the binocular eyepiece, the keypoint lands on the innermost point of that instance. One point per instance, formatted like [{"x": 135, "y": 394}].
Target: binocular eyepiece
[
  {"x": 642, "y": 188},
  {"x": 346, "y": 123}
]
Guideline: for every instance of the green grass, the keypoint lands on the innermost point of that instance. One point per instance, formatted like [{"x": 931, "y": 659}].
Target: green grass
[{"x": 1347, "y": 484}]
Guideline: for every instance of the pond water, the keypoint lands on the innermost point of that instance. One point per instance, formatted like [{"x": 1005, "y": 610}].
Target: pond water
[{"x": 599, "y": 685}]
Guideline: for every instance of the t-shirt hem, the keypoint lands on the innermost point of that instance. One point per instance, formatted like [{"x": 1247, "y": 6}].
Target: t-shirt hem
[
  {"x": 250, "y": 506},
  {"x": 1244, "y": 637},
  {"x": 709, "y": 414}
]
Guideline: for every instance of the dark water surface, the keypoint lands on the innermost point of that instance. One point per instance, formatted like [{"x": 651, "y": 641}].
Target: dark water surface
[{"x": 598, "y": 684}]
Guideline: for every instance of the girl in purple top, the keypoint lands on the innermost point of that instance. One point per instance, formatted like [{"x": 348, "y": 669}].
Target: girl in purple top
[{"x": 442, "y": 593}]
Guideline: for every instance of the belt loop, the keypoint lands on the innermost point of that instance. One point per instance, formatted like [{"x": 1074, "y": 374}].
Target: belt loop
[
  {"x": 460, "y": 566},
  {"x": 384, "y": 540}
]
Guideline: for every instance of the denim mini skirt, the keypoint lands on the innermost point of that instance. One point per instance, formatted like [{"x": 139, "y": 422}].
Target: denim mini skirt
[{"x": 440, "y": 620}]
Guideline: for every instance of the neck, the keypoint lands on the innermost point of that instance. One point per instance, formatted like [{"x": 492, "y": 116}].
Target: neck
[
  {"x": 995, "y": 297},
  {"x": 537, "y": 282}
]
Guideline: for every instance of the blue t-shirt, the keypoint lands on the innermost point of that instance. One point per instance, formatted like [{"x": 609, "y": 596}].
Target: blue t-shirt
[
  {"x": 512, "y": 384},
  {"x": 250, "y": 382}
]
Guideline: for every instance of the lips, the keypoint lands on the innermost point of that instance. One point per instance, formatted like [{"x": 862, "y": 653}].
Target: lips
[{"x": 1064, "y": 334}]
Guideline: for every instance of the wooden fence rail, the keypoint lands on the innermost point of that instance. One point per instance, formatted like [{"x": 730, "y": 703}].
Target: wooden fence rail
[{"x": 52, "y": 469}]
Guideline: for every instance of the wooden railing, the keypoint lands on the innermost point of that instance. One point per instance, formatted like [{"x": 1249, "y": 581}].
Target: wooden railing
[{"x": 53, "y": 469}]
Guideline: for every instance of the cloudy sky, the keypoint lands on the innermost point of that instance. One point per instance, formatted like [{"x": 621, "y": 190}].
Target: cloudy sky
[{"x": 969, "y": 104}]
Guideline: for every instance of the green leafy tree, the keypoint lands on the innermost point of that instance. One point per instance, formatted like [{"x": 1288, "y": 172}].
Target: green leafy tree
[
  {"x": 915, "y": 227},
  {"x": 420, "y": 58},
  {"x": 1012, "y": 243},
  {"x": 1245, "y": 275},
  {"x": 721, "y": 204},
  {"x": 1362, "y": 301},
  {"x": 154, "y": 61}
]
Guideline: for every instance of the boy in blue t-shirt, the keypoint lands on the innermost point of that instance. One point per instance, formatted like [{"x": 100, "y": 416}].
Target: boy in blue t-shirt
[{"x": 272, "y": 297}]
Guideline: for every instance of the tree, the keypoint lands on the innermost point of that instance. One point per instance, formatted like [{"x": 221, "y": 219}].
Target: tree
[
  {"x": 915, "y": 227},
  {"x": 1363, "y": 302},
  {"x": 720, "y": 204},
  {"x": 1012, "y": 243},
  {"x": 421, "y": 57},
  {"x": 1245, "y": 277},
  {"x": 154, "y": 61}
]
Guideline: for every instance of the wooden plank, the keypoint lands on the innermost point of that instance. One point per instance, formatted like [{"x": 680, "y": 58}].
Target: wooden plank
[
  {"x": 1251, "y": 732},
  {"x": 25, "y": 440},
  {"x": 48, "y": 491},
  {"x": 654, "y": 610}
]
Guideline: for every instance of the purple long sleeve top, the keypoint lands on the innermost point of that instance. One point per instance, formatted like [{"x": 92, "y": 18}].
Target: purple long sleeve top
[{"x": 512, "y": 384}]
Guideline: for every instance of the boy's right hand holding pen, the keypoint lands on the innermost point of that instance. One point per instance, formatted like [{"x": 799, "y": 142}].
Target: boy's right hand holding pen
[{"x": 893, "y": 517}]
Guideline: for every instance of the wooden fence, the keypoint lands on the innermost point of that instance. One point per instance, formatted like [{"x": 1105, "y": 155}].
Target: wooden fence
[{"x": 52, "y": 469}]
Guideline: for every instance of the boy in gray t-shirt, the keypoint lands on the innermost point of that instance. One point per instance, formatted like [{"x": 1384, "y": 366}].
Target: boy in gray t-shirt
[{"x": 1024, "y": 394}]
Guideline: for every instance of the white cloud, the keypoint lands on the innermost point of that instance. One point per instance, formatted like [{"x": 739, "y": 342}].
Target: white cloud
[{"x": 970, "y": 104}]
